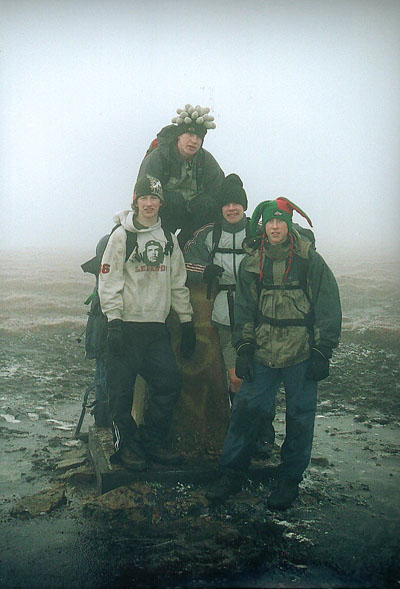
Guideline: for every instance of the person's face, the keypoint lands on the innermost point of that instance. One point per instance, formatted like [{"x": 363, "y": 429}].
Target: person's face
[
  {"x": 148, "y": 208},
  {"x": 152, "y": 253},
  {"x": 188, "y": 145},
  {"x": 276, "y": 231},
  {"x": 233, "y": 212}
]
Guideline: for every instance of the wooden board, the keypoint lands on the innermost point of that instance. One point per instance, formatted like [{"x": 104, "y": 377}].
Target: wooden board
[{"x": 109, "y": 476}]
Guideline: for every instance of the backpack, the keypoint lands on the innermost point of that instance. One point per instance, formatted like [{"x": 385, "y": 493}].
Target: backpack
[
  {"x": 96, "y": 326},
  {"x": 166, "y": 137}
]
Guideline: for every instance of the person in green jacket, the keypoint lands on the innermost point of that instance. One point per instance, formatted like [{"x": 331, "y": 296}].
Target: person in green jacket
[
  {"x": 287, "y": 322},
  {"x": 190, "y": 176}
]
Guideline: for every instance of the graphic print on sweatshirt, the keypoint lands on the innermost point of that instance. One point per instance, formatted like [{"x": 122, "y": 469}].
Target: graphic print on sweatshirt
[{"x": 153, "y": 254}]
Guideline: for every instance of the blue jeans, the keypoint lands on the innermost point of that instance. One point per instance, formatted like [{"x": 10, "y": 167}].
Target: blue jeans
[{"x": 255, "y": 401}]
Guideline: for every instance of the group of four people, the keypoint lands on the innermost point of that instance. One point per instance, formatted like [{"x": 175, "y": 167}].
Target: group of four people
[{"x": 277, "y": 308}]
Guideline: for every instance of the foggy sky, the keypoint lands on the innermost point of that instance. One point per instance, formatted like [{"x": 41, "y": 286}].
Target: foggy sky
[{"x": 305, "y": 95}]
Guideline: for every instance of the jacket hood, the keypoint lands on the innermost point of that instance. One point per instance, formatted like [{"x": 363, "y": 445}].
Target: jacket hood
[{"x": 125, "y": 218}]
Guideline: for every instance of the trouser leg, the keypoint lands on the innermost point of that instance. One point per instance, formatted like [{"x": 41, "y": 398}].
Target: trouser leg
[
  {"x": 301, "y": 403},
  {"x": 121, "y": 375},
  {"x": 101, "y": 411},
  {"x": 174, "y": 214},
  {"x": 201, "y": 210},
  {"x": 160, "y": 370},
  {"x": 254, "y": 400}
]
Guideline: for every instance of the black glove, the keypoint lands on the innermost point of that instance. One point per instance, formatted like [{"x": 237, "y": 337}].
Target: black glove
[
  {"x": 211, "y": 272},
  {"x": 319, "y": 365},
  {"x": 188, "y": 339},
  {"x": 115, "y": 338},
  {"x": 244, "y": 362}
]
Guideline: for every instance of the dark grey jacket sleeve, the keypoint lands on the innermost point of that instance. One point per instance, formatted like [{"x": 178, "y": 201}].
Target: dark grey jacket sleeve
[
  {"x": 325, "y": 298},
  {"x": 213, "y": 174},
  {"x": 246, "y": 306},
  {"x": 153, "y": 164}
]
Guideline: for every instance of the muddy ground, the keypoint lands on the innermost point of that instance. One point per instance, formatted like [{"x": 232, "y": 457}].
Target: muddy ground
[{"x": 57, "y": 532}]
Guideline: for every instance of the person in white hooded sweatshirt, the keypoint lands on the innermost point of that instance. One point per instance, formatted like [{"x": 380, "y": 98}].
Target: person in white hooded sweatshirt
[{"x": 136, "y": 295}]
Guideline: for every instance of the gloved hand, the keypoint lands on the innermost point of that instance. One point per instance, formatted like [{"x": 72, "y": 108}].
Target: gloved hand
[
  {"x": 319, "y": 365},
  {"x": 211, "y": 272},
  {"x": 244, "y": 362},
  {"x": 188, "y": 339},
  {"x": 115, "y": 337}
]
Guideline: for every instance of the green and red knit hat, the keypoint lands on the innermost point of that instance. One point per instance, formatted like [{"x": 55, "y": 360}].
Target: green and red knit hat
[{"x": 281, "y": 208}]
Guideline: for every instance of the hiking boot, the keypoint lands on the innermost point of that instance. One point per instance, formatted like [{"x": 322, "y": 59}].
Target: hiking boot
[
  {"x": 132, "y": 457},
  {"x": 283, "y": 495},
  {"x": 226, "y": 485},
  {"x": 162, "y": 455}
]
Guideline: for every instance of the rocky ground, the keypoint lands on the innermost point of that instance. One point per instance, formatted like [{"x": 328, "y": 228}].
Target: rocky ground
[{"x": 56, "y": 531}]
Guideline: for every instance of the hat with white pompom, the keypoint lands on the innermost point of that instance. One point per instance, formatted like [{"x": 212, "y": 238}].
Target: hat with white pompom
[{"x": 193, "y": 119}]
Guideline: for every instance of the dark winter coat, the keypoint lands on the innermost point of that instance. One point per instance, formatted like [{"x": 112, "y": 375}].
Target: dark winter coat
[
  {"x": 284, "y": 320},
  {"x": 202, "y": 175}
]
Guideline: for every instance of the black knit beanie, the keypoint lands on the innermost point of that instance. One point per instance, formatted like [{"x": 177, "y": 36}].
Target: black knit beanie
[
  {"x": 147, "y": 185},
  {"x": 193, "y": 129},
  {"x": 232, "y": 191}
]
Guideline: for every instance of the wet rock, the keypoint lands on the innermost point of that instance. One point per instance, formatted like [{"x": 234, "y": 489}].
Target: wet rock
[
  {"x": 127, "y": 502},
  {"x": 320, "y": 461},
  {"x": 81, "y": 475},
  {"x": 360, "y": 418},
  {"x": 41, "y": 503},
  {"x": 381, "y": 420},
  {"x": 74, "y": 459}
]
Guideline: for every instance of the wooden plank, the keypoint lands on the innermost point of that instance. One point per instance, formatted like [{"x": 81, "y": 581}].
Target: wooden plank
[{"x": 109, "y": 476}]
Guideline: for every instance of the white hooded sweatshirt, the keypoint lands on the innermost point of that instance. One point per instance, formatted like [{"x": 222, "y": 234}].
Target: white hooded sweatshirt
[{"x": 146, "y": 286}]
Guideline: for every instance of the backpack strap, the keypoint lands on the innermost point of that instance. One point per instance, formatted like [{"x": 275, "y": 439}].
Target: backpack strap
[
  {"x": 131, "y": 244},
  {"x": 200, "y": 168},
  {"x": 216, "y": 236},
  {"x": 169, "y": 247},
  {"x": 302, "y": 266}
]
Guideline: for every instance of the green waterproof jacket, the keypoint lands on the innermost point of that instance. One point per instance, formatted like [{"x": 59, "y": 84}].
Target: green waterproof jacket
[
  {"x": 202, "y": 175},
  {"x": 284, "y": 319}
]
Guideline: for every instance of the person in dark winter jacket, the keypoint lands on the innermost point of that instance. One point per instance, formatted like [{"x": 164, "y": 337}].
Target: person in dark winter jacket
[
  {"x": 190, "y": 175},
  {"x": 287, "y": 322},
  {"x": 136, "y": 295}
]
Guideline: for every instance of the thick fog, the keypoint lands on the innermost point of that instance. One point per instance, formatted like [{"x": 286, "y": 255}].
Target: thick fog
[{"x": 305, "y": 95}]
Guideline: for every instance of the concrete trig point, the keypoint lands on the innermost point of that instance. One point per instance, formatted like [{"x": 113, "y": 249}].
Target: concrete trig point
[{"x": 201, "y": 417}]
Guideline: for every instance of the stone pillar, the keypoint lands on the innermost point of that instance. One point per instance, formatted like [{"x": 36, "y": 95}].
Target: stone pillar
[{"x": 202, "y": 415}]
